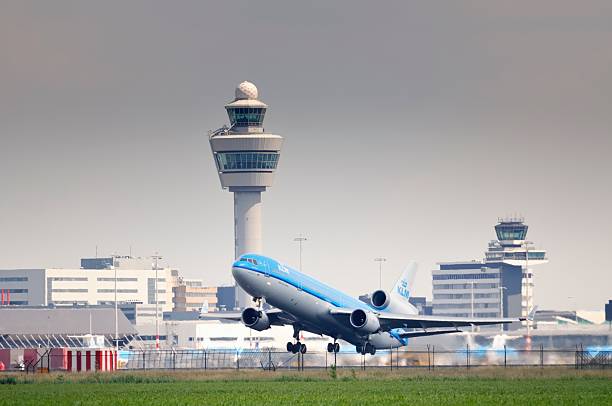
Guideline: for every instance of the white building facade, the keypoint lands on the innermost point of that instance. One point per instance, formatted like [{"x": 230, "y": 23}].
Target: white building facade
[
  {"x": 501, "y": 285},
  {"x": 69, "y": 287}
]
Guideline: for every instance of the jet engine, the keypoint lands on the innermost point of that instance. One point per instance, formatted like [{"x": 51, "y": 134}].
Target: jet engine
[
  {"x": 255, "y": 319},
  {"x": 364, "y": 321},
  {"x": 382, "y": 300}
]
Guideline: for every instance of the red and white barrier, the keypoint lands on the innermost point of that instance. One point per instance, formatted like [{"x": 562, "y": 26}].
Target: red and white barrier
[{"x": 91, "y": 360}]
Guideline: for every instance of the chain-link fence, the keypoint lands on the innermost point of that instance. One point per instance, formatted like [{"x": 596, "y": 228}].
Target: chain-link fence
[
  {"x": 430, "y": 358},
  {"x": 44, "y": 360}
]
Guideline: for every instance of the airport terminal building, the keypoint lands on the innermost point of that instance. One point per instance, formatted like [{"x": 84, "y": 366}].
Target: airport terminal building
[
  {"x": 92, "y": 284},
  {"x": 500, "y": 285}
]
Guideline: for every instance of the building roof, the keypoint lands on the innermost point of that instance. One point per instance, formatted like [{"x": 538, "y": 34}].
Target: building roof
[{"x": 63, "y": 321}]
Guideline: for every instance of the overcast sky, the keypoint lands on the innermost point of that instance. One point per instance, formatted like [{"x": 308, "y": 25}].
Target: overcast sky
[{"x": 409, "y": 127}]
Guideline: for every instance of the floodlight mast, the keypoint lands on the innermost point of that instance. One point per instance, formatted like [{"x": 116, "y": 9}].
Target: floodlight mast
[
  {"x": 380, "y": 261},
  {"x": 300, "y": 240},
  {"x": 156, "y": 258},
  {"x": 246, "y": 158}
]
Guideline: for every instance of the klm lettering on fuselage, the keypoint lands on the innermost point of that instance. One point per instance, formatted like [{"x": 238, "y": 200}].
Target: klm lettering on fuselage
[{"x": 402, "y": 289}]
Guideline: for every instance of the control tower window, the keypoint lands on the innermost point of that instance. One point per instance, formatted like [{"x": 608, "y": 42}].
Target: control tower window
[
  {"x": 511, "y": 233},
  {"x": 235, "y": 161},
  {"x": 246, "y": 116}
]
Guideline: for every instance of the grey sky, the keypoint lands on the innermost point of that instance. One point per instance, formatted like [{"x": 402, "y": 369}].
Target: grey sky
[{"x": 410, "y": 127}]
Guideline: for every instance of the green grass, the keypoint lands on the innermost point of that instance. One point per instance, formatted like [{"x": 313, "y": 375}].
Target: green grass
[{"x": 312, "y": 388}]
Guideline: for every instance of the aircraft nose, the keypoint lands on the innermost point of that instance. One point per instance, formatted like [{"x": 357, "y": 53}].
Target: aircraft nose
[{"x": 238, "y": 273}]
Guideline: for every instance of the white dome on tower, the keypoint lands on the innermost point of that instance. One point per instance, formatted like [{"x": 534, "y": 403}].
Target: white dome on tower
[{"x": 246, "y": 90}]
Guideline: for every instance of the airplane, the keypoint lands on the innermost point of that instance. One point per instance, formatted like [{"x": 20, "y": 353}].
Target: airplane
[{"x": 309, "y": 305}]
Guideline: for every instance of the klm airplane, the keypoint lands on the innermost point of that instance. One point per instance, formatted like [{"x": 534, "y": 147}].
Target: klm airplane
[{"x": 309, "y": 305}]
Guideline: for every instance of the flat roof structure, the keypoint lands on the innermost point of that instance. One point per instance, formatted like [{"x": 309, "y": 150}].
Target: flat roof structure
[{"x": 31, "y": 327}]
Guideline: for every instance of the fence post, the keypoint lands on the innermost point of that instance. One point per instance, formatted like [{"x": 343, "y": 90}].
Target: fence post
[
  {"x": 391, "y": 355},
  {"x": 144, "y": 360},
  {"x": 541, "y": 355},
  {"x": 269, "y": 360},
  {"x": 397, "y": 358},
  {"x": 576, "y": 358},
  {"x": 428, "y": 359},
  {"x": 238, "y": 361},
  {"x": 335, "y": 358},
  {"x": 467, "y": 356},
  {"x": 505, "y": 356},
  {"x": 433, "y": 357}
]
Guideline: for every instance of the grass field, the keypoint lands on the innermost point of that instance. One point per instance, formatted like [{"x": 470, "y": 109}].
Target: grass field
[{"x": 514, "y": 386}]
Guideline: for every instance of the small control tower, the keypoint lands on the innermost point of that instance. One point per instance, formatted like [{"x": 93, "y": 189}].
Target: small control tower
[{"x": 246, "y": 158}]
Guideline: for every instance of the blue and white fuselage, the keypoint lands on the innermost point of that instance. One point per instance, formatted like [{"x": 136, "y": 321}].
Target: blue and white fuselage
[
  {"x": 313, "y": 304},
  {"x": 310, "y": 305}
]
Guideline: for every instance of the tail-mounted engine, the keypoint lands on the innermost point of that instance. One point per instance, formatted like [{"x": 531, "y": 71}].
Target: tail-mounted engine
[
  {"x": 255, "y": 319},
  {"x": 382, "y": 300}
]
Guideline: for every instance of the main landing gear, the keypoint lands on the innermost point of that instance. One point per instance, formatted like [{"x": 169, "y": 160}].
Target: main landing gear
[
  {"x": 366, "y": 349},
  {"x": 297, "y": 347},
  {"x": 333, "y": 347}
]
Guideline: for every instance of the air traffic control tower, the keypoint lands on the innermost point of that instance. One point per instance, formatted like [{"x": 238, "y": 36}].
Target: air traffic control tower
[{"x": 246, "y": 158}]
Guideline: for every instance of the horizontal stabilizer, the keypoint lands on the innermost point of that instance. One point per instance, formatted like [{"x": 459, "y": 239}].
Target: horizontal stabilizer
[
  {"x": 532, "y": 313},
  {"x": 412, "y": 334}
]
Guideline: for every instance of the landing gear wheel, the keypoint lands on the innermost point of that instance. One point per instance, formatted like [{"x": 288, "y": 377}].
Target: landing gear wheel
[
  {"x": 330, "y": 347},
  {"x": 369, "y": 348},
  {"x": 289, "y": 346},
  {"x": 303, "y": 348},
  {"x": 358, "y": 348},
  {"x": 336, "y": 347},
  {"x": 295, "y": 348}
]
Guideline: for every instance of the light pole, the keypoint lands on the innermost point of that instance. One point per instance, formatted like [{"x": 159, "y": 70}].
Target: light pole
[
  {"x": 156, "y": 257},
  {"x": 527, "y": 282},
  {"x": 501, "y": 305},
  {"x": 380, "y": 261},
  {"x": 472, "y": 302},
  {"x": 300, "y": 240},
  {"x": 113, "y": 267}
]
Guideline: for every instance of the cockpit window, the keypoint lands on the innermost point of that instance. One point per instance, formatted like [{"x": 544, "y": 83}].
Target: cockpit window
[{"x": 249, "y": 260}]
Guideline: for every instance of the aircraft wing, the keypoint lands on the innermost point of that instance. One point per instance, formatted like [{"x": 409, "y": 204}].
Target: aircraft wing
[
  {"x": 277, "y": 317},
  {"x": 390, "y": 321},
  {"x": 412, "y": 334}
]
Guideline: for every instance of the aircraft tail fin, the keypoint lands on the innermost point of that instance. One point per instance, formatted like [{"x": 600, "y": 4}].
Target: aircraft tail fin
[{"x": 403, "y": 287}]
